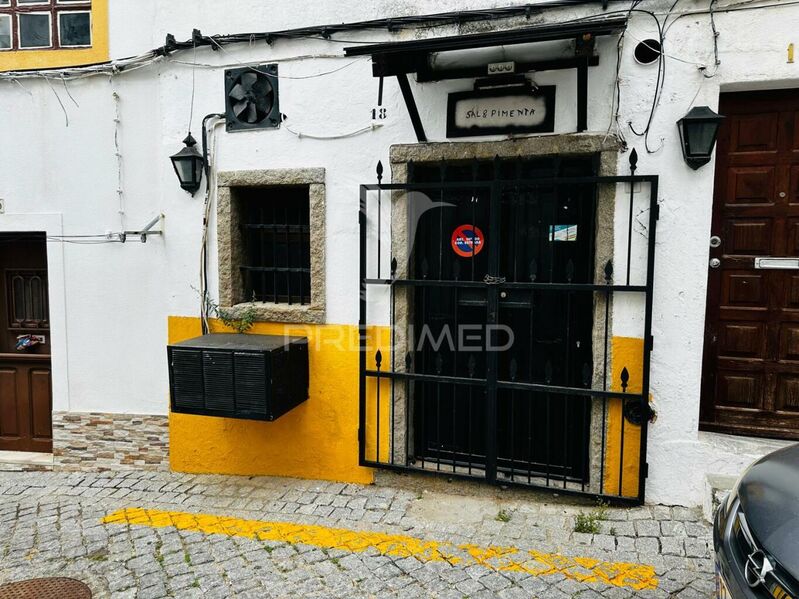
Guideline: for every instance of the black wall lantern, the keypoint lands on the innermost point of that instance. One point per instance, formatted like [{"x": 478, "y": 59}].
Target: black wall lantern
[
  {"x": 698, "y": 131},
  {"x": 189, "y": 165}
]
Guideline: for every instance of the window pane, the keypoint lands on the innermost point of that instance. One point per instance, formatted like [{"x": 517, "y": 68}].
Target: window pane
[
  {"x": 18, "y": 299},
  {"x": 5, "y": 32},
  {"x": 75, "y": 29},
  {"x": 37, "y": 305},
  {"x": 23, "y": 2},
  {"x": 34, "y": 30}
]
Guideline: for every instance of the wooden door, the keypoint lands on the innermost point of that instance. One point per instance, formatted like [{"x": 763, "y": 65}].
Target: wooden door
[
  {"x": 25, "y": 379},
  {"x": 751, "y": 361}
]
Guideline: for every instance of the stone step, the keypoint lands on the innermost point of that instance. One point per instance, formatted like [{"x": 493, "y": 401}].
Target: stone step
[{"x": 717, "y": 487}]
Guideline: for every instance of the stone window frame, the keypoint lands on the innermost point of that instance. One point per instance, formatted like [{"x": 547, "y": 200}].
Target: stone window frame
[{"x": 230, "y": 244}]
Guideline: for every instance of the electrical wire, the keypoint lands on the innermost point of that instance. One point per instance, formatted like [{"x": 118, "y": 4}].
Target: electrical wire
[
  {"x": 659, "y": 81},
  {"x": 66, "y": 89},
  {"x": 218, "y": 41},
  {"x": 420, "y": 22},
  {"x": 210, "y": 187},
  {"x": 253, "y": 66},
  {"x": 699, "y": 65},
  {"x": 715, "y": 35},
  {"x": 191, "y": 103},
  {"x": 360, "y": 131},
  {"x": 87, "y": 242},
  {"x": 60, "y": 103},
  {"x": 615, "y": 106},
  {"x": 118, "y": 154},
  {"x": 392, "y": 25},
  {"x": 735, "y": 7}
]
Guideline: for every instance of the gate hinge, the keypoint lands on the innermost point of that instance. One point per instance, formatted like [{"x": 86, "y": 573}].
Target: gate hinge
[
  {"x": 650, "y": 343},
  {"x": 657, "y": 211},
  {"x": 646, "y": 470}
]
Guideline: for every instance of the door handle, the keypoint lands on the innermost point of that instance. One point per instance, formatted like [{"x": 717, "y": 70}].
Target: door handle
[
  {"x": 715, "y": 263},
  {"x": 772, "y": 263}
]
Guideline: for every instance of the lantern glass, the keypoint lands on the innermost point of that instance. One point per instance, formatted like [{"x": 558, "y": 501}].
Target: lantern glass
[
  {"x": 700, "y": 137},
  {"x": 188, "y": 164},
  {"x": 698, "y": 131}
]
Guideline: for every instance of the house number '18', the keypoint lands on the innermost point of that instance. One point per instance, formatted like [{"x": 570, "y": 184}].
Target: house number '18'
[{"x": 379, "y": 114}]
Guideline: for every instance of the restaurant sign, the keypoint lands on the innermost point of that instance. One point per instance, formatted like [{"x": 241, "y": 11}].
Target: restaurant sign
[{"x": 501, "y": 111}]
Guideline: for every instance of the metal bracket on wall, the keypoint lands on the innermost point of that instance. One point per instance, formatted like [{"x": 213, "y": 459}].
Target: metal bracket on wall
[{"x": 144, "y": 231}]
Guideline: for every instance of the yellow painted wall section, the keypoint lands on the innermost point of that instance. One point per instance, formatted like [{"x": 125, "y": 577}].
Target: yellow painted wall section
[
  {"x": 317, "y": 439},
  {"x": 626, "y": 352},
  {"x": 378, "y": 397},
  {"x": 19, "y": 60}
]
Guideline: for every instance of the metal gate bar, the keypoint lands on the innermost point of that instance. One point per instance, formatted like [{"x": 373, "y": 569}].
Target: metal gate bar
[{"x": 396, "y": 381}]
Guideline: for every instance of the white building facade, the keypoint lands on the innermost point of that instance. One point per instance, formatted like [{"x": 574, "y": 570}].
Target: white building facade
[{"x": 87, "y": 158}]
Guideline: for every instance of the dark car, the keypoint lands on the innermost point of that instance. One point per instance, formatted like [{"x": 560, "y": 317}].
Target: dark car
[{"x": 756, "y": 531}]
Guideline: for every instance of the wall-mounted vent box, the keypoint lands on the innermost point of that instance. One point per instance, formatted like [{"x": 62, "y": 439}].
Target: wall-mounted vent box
[{"x": 255, "y": 377}]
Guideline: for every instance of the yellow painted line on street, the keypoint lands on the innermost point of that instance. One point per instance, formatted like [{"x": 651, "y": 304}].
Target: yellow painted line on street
[{"x": 499, "y": 559}]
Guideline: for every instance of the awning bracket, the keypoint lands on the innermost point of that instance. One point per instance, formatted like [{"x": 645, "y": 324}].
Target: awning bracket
[{"x": 413, "y": 110}]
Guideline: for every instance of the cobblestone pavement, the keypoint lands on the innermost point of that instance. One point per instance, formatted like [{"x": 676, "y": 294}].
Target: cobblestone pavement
[{"x": 277, "y": 537}]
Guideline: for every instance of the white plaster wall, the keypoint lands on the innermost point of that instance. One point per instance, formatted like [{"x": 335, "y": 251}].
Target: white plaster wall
[
  {"x": 116, "y": 298},
  {"x": 680, "y": 456}
]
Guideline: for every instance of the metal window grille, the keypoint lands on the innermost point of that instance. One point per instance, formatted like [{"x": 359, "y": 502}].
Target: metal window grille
[{"x": 275, "y": 228}]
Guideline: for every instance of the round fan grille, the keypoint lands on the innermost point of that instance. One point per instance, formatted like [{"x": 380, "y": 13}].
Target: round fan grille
[{"x": 251, "y": 97}]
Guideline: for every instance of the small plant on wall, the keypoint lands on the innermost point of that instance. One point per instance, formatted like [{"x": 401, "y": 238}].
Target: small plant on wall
[{"x": 238, "y": 319}]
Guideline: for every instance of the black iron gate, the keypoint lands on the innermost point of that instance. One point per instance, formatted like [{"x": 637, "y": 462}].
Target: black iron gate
[{"x": 487, "y": 293}]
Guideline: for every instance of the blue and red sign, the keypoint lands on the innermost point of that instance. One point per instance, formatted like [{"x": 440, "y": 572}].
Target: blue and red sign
[{"x": 467, "y": 241}]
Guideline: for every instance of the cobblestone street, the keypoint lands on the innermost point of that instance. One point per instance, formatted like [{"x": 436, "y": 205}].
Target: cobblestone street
[{"x": 138, "y": 534}]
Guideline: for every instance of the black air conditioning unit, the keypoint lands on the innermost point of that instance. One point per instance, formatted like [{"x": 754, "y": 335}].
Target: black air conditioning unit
[
  {"x": 255, "y": 377},
  {"x": 251, "y": 98}
]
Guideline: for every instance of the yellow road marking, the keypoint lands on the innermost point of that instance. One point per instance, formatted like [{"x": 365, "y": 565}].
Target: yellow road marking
[{"x": 500, "y": 559}]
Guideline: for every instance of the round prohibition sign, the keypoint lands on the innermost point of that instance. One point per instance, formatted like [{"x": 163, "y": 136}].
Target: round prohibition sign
[{"x": 467, "y": 241}]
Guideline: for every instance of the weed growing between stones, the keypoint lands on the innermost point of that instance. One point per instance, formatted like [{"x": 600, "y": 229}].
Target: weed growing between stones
[
  {"x": 503, "y": 516},
  {"x": 589, "y": 523}
]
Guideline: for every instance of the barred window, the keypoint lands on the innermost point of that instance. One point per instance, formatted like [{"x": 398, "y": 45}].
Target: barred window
[
  {"x": 275, "y": 229},
  {"x": 266, "y": 221},
  {"x": 43, "y": 24}
]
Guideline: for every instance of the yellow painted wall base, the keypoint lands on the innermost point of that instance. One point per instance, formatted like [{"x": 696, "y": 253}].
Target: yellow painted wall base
[
  {"x": 623, "y": 459},
  {"x": 317, "y": 439},
  {"x": 378, "y": 413}
]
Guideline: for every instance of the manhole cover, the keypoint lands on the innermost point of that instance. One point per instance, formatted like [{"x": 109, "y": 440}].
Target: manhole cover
[{"x": 45, "y": 588}]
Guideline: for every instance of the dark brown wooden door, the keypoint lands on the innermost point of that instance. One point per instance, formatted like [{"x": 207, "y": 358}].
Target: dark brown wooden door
[
  {"x": 751, "y": 361},
  {"x": 25, "y": 380}
]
